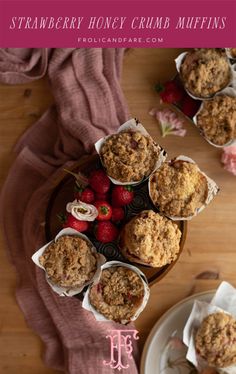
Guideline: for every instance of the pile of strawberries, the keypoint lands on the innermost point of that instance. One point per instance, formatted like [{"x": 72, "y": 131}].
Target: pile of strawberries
[
  {"x": 172, "y": 92},
  {"x": 109, "y": 199}
]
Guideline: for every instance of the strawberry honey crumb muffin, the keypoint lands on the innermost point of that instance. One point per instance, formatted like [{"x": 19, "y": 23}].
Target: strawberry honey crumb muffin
[
  {"x": 150, "y": 239},
  {"x": 129, "y": 156},
  {"x": 204, "y": 72},
  {"x": 217, "y": 119},
  {"x": 118, "y": 295},
  {"x": 178, "y": 189},
  {"x": 69, "y": 261},
  {"x": 215, "y": 340}
]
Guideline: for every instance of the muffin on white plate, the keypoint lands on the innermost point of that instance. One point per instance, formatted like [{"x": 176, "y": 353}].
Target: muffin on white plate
[
  {"x": 205, "y": 71},
  {"x": 150, "y": 239},
  {"x": 215, "y": 340},
  {"x": 120, "y": 294}
]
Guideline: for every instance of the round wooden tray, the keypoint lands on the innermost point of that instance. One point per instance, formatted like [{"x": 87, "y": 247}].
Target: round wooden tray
[{"x": 64, "y": 192}]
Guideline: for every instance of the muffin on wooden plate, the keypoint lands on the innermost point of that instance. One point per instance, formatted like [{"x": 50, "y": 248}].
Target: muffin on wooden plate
[
  {"x": 217, "y": 119},
  {"x": 178, "y": 189},
  {"x": 69, "y": 261},
  {"x": 150, "y": 239},
  {"x": 215, "y": 340},
  {"x": 205, "y": 72},
  {"x": 129, "y": 156}
]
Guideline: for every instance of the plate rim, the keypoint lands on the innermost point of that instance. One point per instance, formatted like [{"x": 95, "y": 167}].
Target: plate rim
[{"x": 159, "y": 322}]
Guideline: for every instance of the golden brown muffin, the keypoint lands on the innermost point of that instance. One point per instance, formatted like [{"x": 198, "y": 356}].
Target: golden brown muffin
[
  {"x": 217, "y": 119},
  {"x": 216, "y": 340},
  {"x": 178, "y": 188},
  {"x": 118, "y": 295},
  {"x": 233, "y": 52},
  {"x": 129, "y": 156},
  {"x": 150, "y": 239},
  {"x": 69, "y": 262},
  {"x": 205, "y": 71}
]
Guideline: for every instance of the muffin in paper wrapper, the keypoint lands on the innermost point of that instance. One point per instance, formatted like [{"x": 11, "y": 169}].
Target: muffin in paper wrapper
[
  {"x": 178, "y": 63},
  {"x": 69, "y": 291},
  {"x": 213, "y": 189},
  {"x": 223, "y": 301},
  {"x": 132, "y": 125},
  {"x": 229, "y": 54},
  {"x": 228, "y": 91},
  {"x": 98, "y": 316}
]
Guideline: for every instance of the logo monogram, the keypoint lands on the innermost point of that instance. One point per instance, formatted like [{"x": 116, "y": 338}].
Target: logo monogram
[{"x": 120, "y": 345}]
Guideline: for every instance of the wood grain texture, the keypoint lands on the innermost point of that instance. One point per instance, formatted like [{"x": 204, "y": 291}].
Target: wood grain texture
[{"x": 210, "y": 250}]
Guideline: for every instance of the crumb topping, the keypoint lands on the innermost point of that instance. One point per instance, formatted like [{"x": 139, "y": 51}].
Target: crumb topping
[
  {"x": 217, "y": 119},
  {"x": 216, "y": 340},
  {"x": 178, "y": 188},
  {"x": 205, "y": 71},
  {"x": 151, "y": 238},
  {"x": 69, "y": 262},
  {"x": 129, "y": 156},
  {"x": 118, "y": 295}
]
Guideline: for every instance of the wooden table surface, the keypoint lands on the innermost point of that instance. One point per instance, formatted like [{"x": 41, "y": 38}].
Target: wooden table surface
[{"x": 209, "y": 255}]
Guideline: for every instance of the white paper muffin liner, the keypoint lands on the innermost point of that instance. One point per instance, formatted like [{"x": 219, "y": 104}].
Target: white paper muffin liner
[
  {"x": 69, "y": 291},
  {"x": 232, "y": 81},
  {"x": 223, "y": 301},
  {"x": 98, "y": 316},
  {"x": 213, "y": 189},
  {"x": 133, "y": 125},
  {"x": 229, "y": 91}
]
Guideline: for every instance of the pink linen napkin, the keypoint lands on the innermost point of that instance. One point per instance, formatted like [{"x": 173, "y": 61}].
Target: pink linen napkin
[{"x": 88, "y": 104}]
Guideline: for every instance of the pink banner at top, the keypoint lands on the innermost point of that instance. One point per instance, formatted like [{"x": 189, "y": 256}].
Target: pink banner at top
[{"x": 149, "y": 24}]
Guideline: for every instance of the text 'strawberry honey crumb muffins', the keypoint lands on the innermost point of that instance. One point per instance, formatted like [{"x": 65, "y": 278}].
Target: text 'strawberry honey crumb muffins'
[
  {"x": 205, "y": 71},
  {"x": 118, "y": 295},
  {"x": 178, "y": 189},
  {"x": 215, "y": 340},
  {"x": 217, "y": 119},
  {"x": 151, "y": 239},
  {"x": 69, "y": 261},
  {"x": 129, "y": 156}
]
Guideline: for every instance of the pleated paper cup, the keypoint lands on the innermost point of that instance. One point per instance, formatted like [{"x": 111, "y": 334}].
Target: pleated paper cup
[
  {"x": 69, "y": 291},
  {"x": 178, "y": 62},
  {"x": 213, "y": 189},
  {"x": 132, "y": 125},
  {"x": 229, "y": 91},
  {"x": 223, "y": 301},
  {"x": 100, "y": 317}
]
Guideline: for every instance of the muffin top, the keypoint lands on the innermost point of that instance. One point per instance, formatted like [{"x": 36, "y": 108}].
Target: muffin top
[
  {"x": 216, "y": 340},
  {"x": 69, "y": 261},
  {"x": 217, "y": 119},
  {"x": 129, "y": 156},
  {"x": 205, "y": 72},
  {"x": 151, "y": 238},
  {"x": 178, "y": 188},
  {"x": 118, "y": 295},
  {"x": 233, "y": 52}
]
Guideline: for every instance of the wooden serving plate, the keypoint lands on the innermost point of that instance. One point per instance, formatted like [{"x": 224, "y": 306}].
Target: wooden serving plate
[{"x": 64, "y": 193}]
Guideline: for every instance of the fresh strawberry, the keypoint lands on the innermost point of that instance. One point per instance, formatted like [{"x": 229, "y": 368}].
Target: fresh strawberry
[
  {"x": 99, "y": 181},
  {"x": 74, "y": 223},
  {"x": 118, "y": 214},
  {"x": 101, "y": 196},
  {"x": 104, "y": 210},
  {"x": 190, "y": 106},
  {"x": 122, "y": 195},
  {"x": 86, "y": 195},
  {"x": 170, "y": 92},
  {"x": 106, "y": 232}
]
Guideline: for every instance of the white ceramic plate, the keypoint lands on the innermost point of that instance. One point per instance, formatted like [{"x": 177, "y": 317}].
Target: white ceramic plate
[{"x": 163, "y": 352}]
